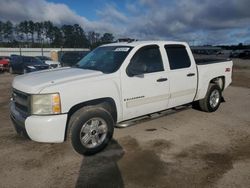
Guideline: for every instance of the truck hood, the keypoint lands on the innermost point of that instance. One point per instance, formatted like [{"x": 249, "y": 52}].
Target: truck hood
[{"x": 33, "y": 83}]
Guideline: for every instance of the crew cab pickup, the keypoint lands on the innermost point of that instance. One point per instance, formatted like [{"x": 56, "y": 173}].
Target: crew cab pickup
[{"x": 113, "y": 84}]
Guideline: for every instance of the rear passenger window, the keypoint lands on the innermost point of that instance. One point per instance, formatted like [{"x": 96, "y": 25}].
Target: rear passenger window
[
  {"x": 148, "y": 57},
  {"x": 177, "y": 56}
]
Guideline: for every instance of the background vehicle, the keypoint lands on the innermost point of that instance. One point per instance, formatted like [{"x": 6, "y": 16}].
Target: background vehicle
[
  {"x": 72, "y": 57},
  {"x": 52, "y": 64},
  {"x": 112, "y": 85},
  {"x": 235, "y": 54},
  {"x": 245, "y": 54},
  {"x": 25, "y": 64},
  {"x": 4, "y": 63}
]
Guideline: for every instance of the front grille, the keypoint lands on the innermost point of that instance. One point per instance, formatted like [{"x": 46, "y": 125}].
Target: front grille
[{"x": 22, "y": 101}]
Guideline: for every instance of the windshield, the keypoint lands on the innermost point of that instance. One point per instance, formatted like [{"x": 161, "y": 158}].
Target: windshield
[{"x": 107, "y": 59}]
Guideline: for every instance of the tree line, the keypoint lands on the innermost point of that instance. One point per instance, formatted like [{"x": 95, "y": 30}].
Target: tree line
[
  {"x": 240, "y": 46},
  {"x": 46, "y": 34}
]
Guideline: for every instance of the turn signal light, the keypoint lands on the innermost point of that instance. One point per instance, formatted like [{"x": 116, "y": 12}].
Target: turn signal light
[{"x": 56, "y": 104}]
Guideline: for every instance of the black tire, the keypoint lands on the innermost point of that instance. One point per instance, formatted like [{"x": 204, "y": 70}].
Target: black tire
[
  {"x": 205, "y": 104},
  {"x": 78, "y": 120},
  {"x": 196, "y": 105}
]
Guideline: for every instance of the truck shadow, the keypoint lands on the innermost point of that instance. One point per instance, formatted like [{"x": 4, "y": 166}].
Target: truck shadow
[{"x": 101, "y": 169}]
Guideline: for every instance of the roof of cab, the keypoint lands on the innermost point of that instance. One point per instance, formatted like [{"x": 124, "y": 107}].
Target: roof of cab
[{"x": 139, "y": 43}]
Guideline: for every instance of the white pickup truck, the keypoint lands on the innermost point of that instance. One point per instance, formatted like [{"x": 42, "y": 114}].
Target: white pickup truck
[{"x": 112, "y": 84}]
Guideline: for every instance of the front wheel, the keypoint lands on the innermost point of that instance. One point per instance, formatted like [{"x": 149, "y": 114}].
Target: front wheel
[
  {"x": 212, "y": 100},
  {"x": 91, "y": 130}
]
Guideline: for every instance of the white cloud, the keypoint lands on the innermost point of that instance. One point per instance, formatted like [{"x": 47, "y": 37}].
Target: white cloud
[
  {"x": 111, "y": 14},
  {"x": 188, "y": 20}
]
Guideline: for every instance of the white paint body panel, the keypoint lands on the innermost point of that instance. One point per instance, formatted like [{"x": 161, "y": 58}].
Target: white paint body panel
[
  {"x": 80, "y": 90},
  {"x": 34, "y": 82},
  {"x": 182, "y": 87},
  {"x": 49, "y": 129},
  {"x": 155, "y": 95},
  {"x": 76, "y": 86},
  {"x": 210, "y": 71}
]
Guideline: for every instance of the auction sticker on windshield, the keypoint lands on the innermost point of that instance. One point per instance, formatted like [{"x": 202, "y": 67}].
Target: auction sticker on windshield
[{"x": 121, "y": 49}]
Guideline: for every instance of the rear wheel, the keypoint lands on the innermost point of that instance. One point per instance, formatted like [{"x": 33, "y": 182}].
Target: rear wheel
[
  {"x": 91, "y": 130},
  {"x": 212, "y": 100}
]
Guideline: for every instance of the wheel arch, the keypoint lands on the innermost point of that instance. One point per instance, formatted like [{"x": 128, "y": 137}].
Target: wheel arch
[
  {"x": 203, "y": 88},
  {"x": 108, "y": 103},
  {"x": 220, "y": 81}
]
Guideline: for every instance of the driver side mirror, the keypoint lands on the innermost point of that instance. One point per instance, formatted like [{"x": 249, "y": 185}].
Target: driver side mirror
[{"x": 136, "y": 69}]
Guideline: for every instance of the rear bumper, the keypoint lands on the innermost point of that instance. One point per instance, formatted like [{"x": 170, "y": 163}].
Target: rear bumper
[{"x": 48, "y": 129}]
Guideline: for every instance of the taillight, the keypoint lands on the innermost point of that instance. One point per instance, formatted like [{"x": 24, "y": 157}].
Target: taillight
[{"x": 227, "y": 70}]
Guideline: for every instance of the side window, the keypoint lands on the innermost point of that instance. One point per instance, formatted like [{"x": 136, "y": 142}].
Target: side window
[
  {"x": 147, "y": 60},
  {"x": 177, "y": 56}
]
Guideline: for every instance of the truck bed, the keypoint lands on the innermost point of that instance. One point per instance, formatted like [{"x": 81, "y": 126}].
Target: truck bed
[{"x": 205, "y": 61}]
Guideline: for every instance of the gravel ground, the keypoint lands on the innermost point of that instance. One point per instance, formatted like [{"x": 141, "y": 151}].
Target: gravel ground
[
  {"x": 186, "y": 148},
  {"x": 241, "y": 72}
]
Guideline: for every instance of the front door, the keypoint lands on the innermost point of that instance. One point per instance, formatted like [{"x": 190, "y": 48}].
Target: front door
[{"x": 145, "y": 86}]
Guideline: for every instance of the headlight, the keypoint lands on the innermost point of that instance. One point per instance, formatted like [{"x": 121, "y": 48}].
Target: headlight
[
  {"x": 46, "y": 104},
  {"x": 31, "y": 67}
]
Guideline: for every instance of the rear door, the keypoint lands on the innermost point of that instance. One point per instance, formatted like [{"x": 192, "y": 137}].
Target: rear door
[
  {"x": 148, "y": 91},
  {"x": 182, "y": 75}
]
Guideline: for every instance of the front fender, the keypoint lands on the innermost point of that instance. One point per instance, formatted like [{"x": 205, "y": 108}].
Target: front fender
[{"x": 81, "y": 91}]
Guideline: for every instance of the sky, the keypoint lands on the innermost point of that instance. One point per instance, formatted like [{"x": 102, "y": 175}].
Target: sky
[{"x": 195, "y": 21}]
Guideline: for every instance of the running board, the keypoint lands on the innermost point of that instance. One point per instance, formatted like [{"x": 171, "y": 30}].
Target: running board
[{"x": 152, "y": 116}]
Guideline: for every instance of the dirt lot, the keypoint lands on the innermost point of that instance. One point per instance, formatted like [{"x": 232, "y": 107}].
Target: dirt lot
[
  {"x": 187, "y": 148},
  {"x": 241, "y": 74}
]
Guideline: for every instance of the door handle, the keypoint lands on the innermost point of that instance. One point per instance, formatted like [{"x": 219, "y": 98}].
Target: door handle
[
  {"x": 191, "y": 74},
  {"x": 162, "y": 79}
]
